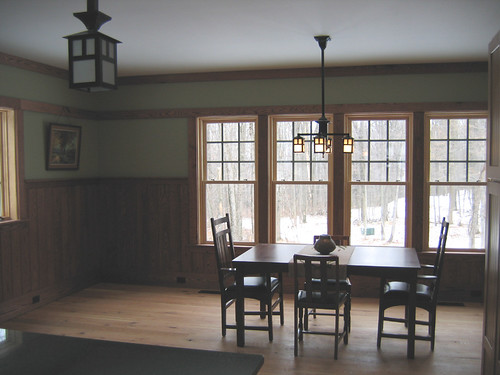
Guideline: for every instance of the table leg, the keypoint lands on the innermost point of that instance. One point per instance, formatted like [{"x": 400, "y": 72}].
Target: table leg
[
  {"x": 411, "y": 317},
  {"x": 240, "y": 309}
]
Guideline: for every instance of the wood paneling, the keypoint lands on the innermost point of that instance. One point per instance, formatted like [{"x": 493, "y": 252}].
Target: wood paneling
[
  {"x": 146, "y": 223},
  {"x": 55, "y": 250}
]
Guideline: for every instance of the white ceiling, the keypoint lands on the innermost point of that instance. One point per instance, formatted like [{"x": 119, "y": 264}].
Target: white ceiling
[{"x": 182, "y": 36}]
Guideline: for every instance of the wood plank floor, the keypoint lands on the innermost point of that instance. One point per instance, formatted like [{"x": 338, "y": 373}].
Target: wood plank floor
[{"x": 186, "y": 318}]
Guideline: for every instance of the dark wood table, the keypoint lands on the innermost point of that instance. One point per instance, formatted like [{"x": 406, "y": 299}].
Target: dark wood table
[
  {"x": 390, "y": 263},
  {"x": 383, "y": 262},
  {"x": 262, "y": 258}
]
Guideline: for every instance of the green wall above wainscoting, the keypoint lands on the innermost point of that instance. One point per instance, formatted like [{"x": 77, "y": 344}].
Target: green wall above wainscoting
[{"x": 136, "y": 144}]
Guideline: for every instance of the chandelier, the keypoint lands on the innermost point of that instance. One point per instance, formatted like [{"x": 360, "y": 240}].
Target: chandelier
[
  {"x": 92, "y": 55},
  {"x": 322, "y": 140}
]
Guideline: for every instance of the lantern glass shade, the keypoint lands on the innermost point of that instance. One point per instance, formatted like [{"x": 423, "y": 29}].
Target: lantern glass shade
[
  {"x": 298, "y": 144},
  {"x": 348, "y": 145},
  {"x": 319, "y": 144},
  {"x": 329, "y": 145},
  {"x": 92, "y": 61}
]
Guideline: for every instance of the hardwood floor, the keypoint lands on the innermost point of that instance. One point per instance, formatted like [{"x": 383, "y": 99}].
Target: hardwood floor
[{"x": 186, "y": 318}]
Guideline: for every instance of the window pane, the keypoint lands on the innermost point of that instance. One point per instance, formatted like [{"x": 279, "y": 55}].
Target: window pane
[
  {"x": 378, "y": 215},
  {"x": 301, "y": 172},
  {"x": 477, "y": 128},
  {"x": 477, "y": 172},
  {"x": 301, "y": 212},
  {"x": 359, "y": 172},
  {"x": 247, "y": 171},
  {"x": 238, "y": 201},
  {"x": 439, "y": 129},
  {"x": 214, "y": 132},
  {"x": 247, "y": 131},
  {"x": 230, "y": 151},
  {"x": 214, "y": 152},
  {"x": 397, "y": 129},
  {"x": 477, "y": 150},
  {"x": 230, "y": 171},
  {"x": 247, "y": 151},
  {"x": 458, "y": 128},
  {"x": 214, "y": 171},
  {"x": 464, "y": 207},
  {"x": 284, "y": 151},
  {"x": 230, "y": 131},
  {"x": 378, "y": 129},
  {"x": 284, "y": 131},
  {"x": 359, "y": 130},
  {"x": 378, "y": 172},
  {"x": 378, "y": 151},
  {"x": 457, "y": 172},
  {"x": 458, "y": 150},
  {"x": 438, "y": 172},
  {"x": 439, "y": 150},
  {"x": 360, "y": 151},
  {"x": 320, "y": 172},
  {"x": 284, "y": 172},
  {"x": 397, "y": 171}
]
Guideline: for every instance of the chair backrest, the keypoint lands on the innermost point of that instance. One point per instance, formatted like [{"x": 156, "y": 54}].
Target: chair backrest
[
  {"x": 339, "y": 239},
  {"x": 439, "y": 247},
  {"x": 439, "y": 270},
  {"x": 224, "y": 248},
  {"x": 318, "y": 267}
]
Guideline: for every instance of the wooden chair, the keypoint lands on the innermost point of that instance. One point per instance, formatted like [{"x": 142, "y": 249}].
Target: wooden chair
[
  {"x": 322, "y": 296},
  {"x": 396, "y": 293},
  {"x": 345, "y": 284},
  {"x": 264, "y": 288},
  {"x": 431, "y": 269}
]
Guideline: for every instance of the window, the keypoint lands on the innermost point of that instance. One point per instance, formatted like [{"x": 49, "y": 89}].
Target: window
[
  {"x": 9, "y": 189},
  {"x": 378, "y": 180},
  {"x": 228, "y": 175},
  {"x": 457, "y": 179},
  {"x": 301, "y": 183}
]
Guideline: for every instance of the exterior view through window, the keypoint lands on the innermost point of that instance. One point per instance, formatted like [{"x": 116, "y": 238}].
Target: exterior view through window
[
  {"x": 457, "y": 180},
  {"x": 228, "y": 176},
  {"x": 301, "y": 184},
  {"x": 378, "y": 181}
]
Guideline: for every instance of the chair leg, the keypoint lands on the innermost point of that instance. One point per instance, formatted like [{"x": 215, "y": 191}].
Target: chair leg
[
  {"x": 223, "y": 316},
  {"x": 262, "y": 309},
  {"x": 301, "y": 316},
  {"x": 306, "y": 319},
  {"x": 295, "y": 331},
  {"x": 380, "y": 324},
  {"x": 282, "y": 314},
  {"x": 432, "y": 327},
  {"x": 336, "y": 333},
  {"x": 270, "y": 317}
]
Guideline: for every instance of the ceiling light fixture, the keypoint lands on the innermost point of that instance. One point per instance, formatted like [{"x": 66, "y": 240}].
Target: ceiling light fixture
[
  {"x": 92, "y": 55},
  {"x": 323, "y": 143}
]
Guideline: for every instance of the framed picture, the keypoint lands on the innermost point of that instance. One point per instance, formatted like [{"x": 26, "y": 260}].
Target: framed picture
[{"x": 64, "y": 147}]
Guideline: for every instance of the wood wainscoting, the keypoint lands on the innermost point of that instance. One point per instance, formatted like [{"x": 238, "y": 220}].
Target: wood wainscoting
[{"x": 79, "y": 232}]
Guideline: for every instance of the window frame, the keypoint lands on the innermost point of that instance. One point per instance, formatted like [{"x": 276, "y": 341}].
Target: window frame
[
  {"x": 428, "y": 183},
  {"x": 273, "y": 182},
  {"x": 408, "y": 117},
  {"x": 202, "y": 174},
  {"x": 10, "y": 165}
]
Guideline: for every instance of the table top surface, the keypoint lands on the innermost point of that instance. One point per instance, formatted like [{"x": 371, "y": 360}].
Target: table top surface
[
  {"x": 382, "y": 257},
  {"x": 362, "y": 256}
]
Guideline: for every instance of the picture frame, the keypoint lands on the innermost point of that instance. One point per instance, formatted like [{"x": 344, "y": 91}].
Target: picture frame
[{"x": 64, "y": 147}]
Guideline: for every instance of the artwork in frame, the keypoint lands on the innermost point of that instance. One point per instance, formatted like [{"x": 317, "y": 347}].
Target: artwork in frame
[{"x": 64, "y": 146}]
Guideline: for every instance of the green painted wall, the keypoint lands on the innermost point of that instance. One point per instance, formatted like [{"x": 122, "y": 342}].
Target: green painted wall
[{"x": 158, "y": 148}]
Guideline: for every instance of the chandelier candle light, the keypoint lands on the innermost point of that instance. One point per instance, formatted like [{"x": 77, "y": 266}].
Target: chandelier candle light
[{"x": 322, "y": 140}]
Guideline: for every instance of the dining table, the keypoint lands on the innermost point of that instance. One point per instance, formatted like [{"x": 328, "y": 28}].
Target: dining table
[{"x": 383, "y": 262}]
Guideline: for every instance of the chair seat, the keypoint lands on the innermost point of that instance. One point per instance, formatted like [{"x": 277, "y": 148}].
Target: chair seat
[
  {"x": 332, "y": 298},
  {"x": 401, "y": 289},
  {"x": 253, "y": 285}
]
